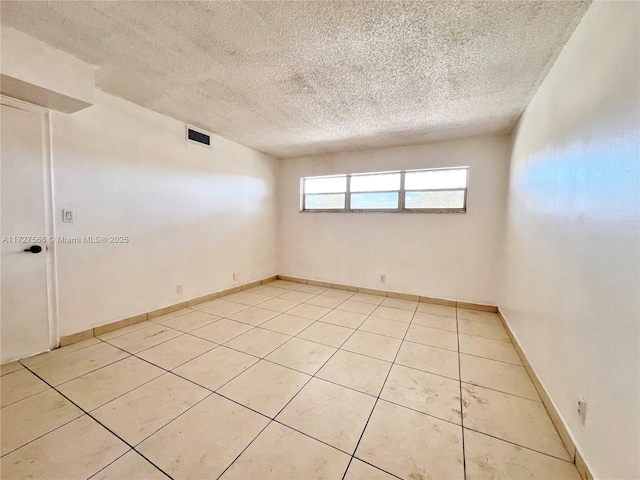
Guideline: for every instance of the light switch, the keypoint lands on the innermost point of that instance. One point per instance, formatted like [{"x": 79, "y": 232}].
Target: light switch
[{"x": 67, "y": 216}]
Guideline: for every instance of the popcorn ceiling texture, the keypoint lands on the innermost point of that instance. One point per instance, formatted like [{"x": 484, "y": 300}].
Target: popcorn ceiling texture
[{"x": 304, "y": 78}]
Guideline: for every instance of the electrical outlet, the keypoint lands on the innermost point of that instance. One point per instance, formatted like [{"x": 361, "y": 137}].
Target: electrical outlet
[
  {"x": 235, "y": 276},
  {"x": 582, "y": 409},
  {"x": 383, "y": 278},
  {"x": 67, "y": 216},
  {"x": 179, "y": 288}
]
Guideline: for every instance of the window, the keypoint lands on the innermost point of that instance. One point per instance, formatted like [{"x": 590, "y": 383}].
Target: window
[{"x": 434, "y": 190}]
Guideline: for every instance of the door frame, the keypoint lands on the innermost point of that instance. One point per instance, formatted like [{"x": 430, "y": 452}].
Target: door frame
[{"x": 49, "y": 212}]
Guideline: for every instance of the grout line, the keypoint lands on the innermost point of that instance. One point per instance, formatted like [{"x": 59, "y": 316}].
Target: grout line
[
  {"x": 287, "y": 404},
  {"x": 464, "y": 455},
  {"x": 570, "y": 462},
  {"x": 94, "y": 419},
  {"x": 135, "y": 452},
  {"x": 378, "y": 396}
]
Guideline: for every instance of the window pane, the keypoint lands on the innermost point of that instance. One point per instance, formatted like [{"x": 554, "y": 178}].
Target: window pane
[
  {"x": 375, "y": 183},
  {"x": 438, "y": 200},
  {"x": 325, "y": 185},
  {"x": 454, "y": 178},
  {"x": 324, "y": 202},
  {"x": 366, "y": 201}
]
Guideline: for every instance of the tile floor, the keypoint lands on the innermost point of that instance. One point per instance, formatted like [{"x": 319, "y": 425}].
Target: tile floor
[{"x": 283, "y": 381}]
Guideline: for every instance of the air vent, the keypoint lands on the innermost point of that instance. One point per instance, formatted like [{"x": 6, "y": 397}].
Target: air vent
[{"x": 197, "y": 136}]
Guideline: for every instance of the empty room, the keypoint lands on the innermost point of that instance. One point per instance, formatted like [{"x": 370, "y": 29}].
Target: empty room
[{"x": 341, "y": 240}]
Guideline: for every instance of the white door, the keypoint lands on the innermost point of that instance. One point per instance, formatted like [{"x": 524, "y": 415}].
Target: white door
[{"x": 24, "y": 313}]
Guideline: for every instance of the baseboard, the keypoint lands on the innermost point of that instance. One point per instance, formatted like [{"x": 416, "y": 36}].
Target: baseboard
[
  {"x": 389, "y": 293},
  {"x": 125, "y": 322},
  {"x": 563, "y": 431}
]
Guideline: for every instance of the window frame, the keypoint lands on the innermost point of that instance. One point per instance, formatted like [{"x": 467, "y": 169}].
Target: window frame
[{"x": 401, "y": 194}]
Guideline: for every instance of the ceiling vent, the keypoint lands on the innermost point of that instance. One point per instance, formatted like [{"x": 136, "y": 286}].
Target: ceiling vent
[{"x": 198, "y": 136}]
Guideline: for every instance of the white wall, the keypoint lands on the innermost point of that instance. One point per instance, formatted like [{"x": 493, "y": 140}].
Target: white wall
[
  {"x": 571, "y": 284},
  {"x": 194, "y": 215},
  {"x": 444, "y": 255}
]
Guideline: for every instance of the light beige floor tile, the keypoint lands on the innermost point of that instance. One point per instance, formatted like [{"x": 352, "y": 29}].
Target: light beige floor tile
[
  {"x": 80, "y": 362},
  {"x": 220, "y": 307},
  {"x": 330, "y": 413},
  {"x": 270, "y": 457},
  {"x": 272, "y": 291},
  {"x": 34, "y": 416},
  {"x": 487, "y": 348},
  {"x": 373, "y": 345},
  {"x": 168, "y": 316},
  {"x": 10, "y": 368},
  {"x": 105, "y": 384},
  {"x": 222, "y": 331},
  {"x": 76, "y": 450},
  {"x": 19, "y": 385},
  {"x": 327, "y": 333},
  {"x": 216, "y": 367},
  {"x": 258, "y": 342},
  {"x": 515, "y": 419},
  {"x": 302, "y": 355},
  {"x": 479, "y": 329},
  {"x": 391, "y": 313},
  {"x": 479, "y": 316},
  {"x": 433, "y": 336},
  {"x": 205, "y": 440},
  {"x": 130, "y": 466},
  {"x": 429, "y": 359},
  {"x": 489, "y": 458},
  {"x": 190, "y": 321},
  {"x": 247, "y": 298},
  {"x": 400, "y": 303},
  {"x": 175, "y": 352},
  {"x": 436, "y": 309},
  {"x": 311, "y": 289},
  {"x": 59, "y": 352},
  {"x": 278, "y": 305},
  {"x": 441, "y": 322},
  {"x": 265, "y": 387},
  {"x": 324, "y": 301},
  {"x": 425, "y": 392},
  {"x": 297, "y": 296},
  {"x": 358, "y": 470},
  {"x": 368, "y": 298},
  {"x": 125, "y": 330},
  {"x": 139, "y": 413},
  {"x": 362, "y": 308},
  {"x": 253, "y": 316},
  {"x": 312, "y": 312},
  {"x": 496, "y": 375},
  {"x": 337, "y": 293},
  {"x": 382, "y": 326},
  {"x": 142, "y": 339},
  {"x": 412, "y": 445},
  {"x": 344, "y": 319},
  {"x": 287, "y": 324},
  {"x": 359, "y": 372}
]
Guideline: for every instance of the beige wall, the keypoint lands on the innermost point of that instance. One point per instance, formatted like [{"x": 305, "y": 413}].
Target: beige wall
[
  {"x": 194, "y": 215},
  {"x": 571, "y": 283},
  {"x": 446, "y": 255}
]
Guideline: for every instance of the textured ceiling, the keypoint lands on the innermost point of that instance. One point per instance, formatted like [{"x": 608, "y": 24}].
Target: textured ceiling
[{"x": 302, "y": 78}]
